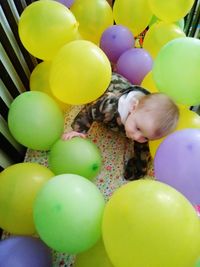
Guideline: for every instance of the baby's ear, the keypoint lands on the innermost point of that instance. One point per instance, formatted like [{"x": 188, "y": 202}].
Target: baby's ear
[{"x": 134, "y": 105}]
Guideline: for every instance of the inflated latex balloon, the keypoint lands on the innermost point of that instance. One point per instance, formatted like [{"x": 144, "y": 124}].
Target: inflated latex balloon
[
  {"x": 153, "y": 20},
  {"x": 187, "y": 119},
  {"x": 68, "y": 213},
  {"x": 160, "y": 34},
  {"x": 148, "y": 223},
  {"x": 19, "y": 185},
  {"x": 77, "y": 155},
  {"x": 170, "y": 10},
  {"x": 115, "y": 40},
  {"x": 134, "y": 14},
  {"x": 80, "y": 73},
  {"x": 45, "y": 26},
  {"x": 177, "y": 163},
  {"x": 21, "y": 251},
  {"x": 93, "y": 18},
  {"x": 180, "y": 23},
  {"x": 176, "y": 70},
  {"x": 154, "y": 145},
  {"x": 134, "y": 64},
  {"x": 197, "y": 263},
  {"x": 39, "y": 81},
  {"x": 35, "y": 120},
  {"x": 148, "y": 83},
  {"x": 96, "y": 256}
]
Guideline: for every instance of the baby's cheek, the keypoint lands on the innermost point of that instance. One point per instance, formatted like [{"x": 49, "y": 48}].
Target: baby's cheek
[{"x": 129, "y": 128}]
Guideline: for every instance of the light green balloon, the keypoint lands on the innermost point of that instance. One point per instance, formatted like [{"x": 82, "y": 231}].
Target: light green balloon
[
  {"x": 68, "y": 213},
  {"x": 197, "y": 263},
  {"x": 180, "y": 23},
  {"x": 35, "y": 120},
  {"x": 94, "y": 257},
  {"x": 153, "y": 20},
  {"x": 77, "y": 155},
  {"x": 176, "y": 70}
]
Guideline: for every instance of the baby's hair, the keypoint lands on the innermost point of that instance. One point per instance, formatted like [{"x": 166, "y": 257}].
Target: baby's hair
[{"x": 164, "y": 109}]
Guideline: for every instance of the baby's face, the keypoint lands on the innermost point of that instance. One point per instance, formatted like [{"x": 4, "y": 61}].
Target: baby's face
[{"x": 139, "y": 126}]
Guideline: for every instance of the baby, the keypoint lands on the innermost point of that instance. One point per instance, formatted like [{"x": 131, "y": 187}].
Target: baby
[{"x": 133, "y": 111}]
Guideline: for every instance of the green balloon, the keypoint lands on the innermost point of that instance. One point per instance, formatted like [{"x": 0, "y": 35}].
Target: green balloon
[
  {"x": 77, "y": 155},
  {"x": 176, "y": 70},
  {"x": 180, "y": 23},
  {"x": 68, "y": 213},
  {"x": 197, "y": 263},
  {"x": 94, "y": 257},
  {"x": 35, "y": 120},
  {"x": 153, "y": 20}
]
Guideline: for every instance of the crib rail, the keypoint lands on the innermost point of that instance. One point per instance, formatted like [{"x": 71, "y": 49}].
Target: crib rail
[{"x": 16, "y": 65}]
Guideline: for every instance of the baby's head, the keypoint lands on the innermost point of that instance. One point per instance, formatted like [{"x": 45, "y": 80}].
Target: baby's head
[{"x": 151, "y": 117}]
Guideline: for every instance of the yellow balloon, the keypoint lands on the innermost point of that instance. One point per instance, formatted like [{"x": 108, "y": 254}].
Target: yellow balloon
[
  {"x": 80, "y": 73},
  {"x": 187, "y": 119},
  {"x": 45, "y": 26},
  {"x": 135, "y": 14},
  {"x": 19, "y": 185},
  {"x": 148, "y": 223},
  {"x": 39, "y": 81},
  {"x": 153, "y": 146},
  {"x": 94, "y": 257},
  {"x": 93, "y": 18},
  {"x": 160, "y": 34},
  {"x": 149, "y": 84},
  {"x": 170, "y": 10}
]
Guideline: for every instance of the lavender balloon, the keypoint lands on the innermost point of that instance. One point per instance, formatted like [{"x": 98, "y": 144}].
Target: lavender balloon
[
  {"x": 134, "y": 64},
  {"x": 115, "y": 40},
  {"x": 18, "y": 251},
  {"x": 177, "y": 163},
  {"x": 67, "y": 3}
]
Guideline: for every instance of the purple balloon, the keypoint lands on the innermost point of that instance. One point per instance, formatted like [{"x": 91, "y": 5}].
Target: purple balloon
[
  {"x": 177, "y": 163},
  {"x": 67, "y": 3},
  {"x": 115, "y": 40},
  {"x": 18, "y": 251},
  {"x": 134, "y": 64}
]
